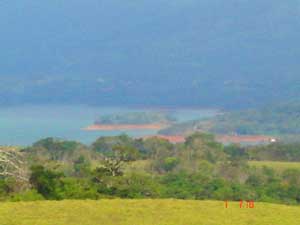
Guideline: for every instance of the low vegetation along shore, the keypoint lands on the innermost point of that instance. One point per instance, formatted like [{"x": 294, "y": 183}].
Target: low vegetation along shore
[{"x": 146, "y": 212}]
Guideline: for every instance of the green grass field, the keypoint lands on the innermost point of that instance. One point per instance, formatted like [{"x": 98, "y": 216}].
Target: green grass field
[
  {"x": 145, "y": 212},
  {"x": 279, "y": 166}
]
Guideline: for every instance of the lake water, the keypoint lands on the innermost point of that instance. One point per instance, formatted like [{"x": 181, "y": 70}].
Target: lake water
[{"x": 26, "y": 124}]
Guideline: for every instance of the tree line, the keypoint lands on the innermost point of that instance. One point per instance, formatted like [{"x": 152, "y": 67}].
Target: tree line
[{"x": 123, "y": 167}]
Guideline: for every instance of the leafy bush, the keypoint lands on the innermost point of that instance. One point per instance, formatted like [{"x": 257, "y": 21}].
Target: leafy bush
[{"x": 30, "y": 195}]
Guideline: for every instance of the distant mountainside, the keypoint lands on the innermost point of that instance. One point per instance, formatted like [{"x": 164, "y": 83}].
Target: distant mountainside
[
  {"x": 277, "y": 119},
  {"x": 209, "y": 53}
]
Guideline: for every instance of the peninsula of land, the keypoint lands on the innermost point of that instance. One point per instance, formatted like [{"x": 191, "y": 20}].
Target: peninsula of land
[{"x": 132, "y": 121}]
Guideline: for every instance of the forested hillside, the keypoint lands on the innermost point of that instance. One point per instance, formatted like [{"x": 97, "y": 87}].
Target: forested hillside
[{"x": 282, "y": 120}]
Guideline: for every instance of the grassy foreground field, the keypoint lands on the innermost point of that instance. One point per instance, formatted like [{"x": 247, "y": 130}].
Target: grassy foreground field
[
  {"x": 279, "y": 166},
  {"x": 145, "y": 212}
]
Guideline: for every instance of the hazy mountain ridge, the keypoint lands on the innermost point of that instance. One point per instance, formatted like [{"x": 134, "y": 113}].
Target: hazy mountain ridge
[{"x": 207, "y": 53}]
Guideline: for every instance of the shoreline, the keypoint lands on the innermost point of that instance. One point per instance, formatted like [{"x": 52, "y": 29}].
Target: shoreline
[{"x": 237, "y": 139}]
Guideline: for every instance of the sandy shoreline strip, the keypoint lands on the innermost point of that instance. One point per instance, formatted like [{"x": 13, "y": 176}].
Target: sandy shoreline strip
[
  {"x": 97, "y": 127},
  {"x": 244, "y": 138}
]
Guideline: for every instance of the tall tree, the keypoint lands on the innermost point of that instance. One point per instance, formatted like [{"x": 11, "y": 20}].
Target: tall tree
[{"x": 12, "y": 164}]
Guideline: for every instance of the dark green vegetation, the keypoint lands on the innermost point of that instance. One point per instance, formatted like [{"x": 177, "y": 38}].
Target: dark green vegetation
[
  {"x": 136, "y": 118},
  {"x": 122, "y": 167},
  {"x": 278, "y": 119}
]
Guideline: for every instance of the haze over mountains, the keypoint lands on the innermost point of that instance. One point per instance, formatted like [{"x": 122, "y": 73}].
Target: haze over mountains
[{"x": 209, "y": 53}]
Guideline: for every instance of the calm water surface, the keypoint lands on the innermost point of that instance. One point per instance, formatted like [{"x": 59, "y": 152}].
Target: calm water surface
[{"x": 26, "y": 124}]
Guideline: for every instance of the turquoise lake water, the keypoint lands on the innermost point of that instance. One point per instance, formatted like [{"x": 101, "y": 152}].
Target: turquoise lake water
[{"x": 26, "y": 124}]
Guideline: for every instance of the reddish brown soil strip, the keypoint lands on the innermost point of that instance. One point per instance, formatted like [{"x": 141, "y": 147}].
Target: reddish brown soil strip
[
  {"x": 244, "y": 138},
  {"x": 222, "y": 138},
  {"x": 125, "y": 127}
]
